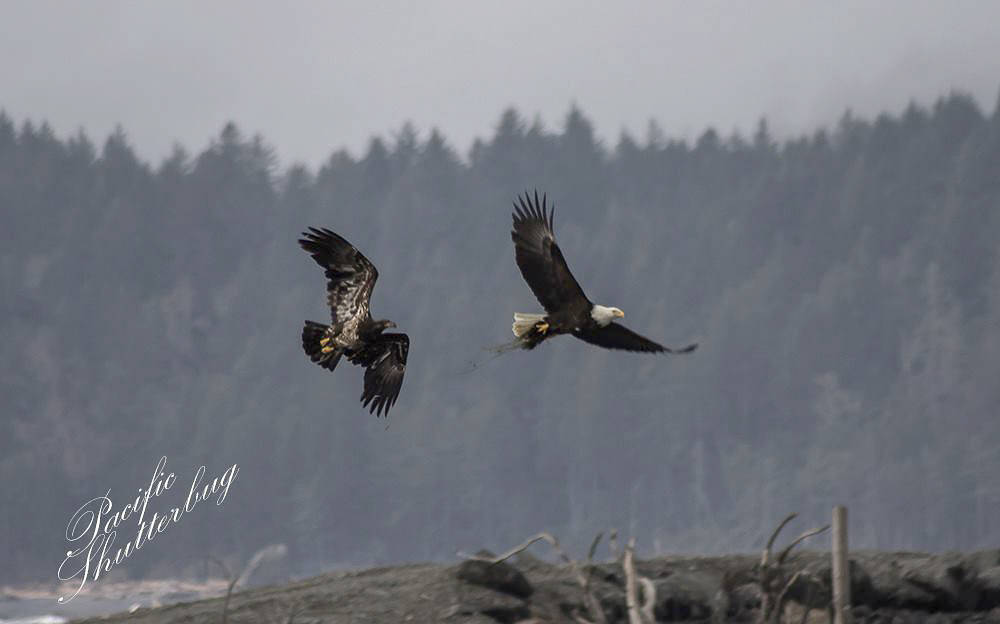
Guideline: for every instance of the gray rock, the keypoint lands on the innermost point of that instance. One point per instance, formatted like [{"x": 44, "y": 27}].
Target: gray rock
[
  {"x": 493, "y": 605},
  {"x": 889, "y": 585},
  {"x": 989, "y": 586},
  {"x": 501, "y": 577},
  {"x": 949, "y": 580},
  {"x": 982, "y": 560},
  {"x": 689, "y": 595},
  {"x": 744, "y": 599}
]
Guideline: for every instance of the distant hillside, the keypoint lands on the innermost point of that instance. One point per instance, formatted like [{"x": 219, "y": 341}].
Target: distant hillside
[{"x": 844, "y": 287}]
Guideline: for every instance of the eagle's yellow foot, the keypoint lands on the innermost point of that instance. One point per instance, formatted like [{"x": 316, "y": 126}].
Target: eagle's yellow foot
[
  {"x": 327, "y": 349},
  {"x": 542, "y": 327},
  {"x": 323, "y": 341}
]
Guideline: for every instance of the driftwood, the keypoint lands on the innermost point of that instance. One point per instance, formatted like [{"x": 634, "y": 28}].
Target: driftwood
[
  {"x": 274, "y": 551},
  {"x": 232, "y": 580},
  {"x": 637, "y": 614},
  {"x": 593, "y": 605},
  {"x": 774, "y": 579},
  {"x": 840, "y": 569}
]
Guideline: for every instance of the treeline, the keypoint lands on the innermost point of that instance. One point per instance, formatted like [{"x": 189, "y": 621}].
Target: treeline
[{"x": 844, "y": 286}]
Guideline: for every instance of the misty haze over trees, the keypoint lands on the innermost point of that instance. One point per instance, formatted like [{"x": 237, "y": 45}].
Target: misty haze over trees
[{"x": 844, "y": 287}]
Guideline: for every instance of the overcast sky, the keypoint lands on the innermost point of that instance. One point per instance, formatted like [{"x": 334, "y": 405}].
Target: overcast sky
[{"x": 312, "y": 77}]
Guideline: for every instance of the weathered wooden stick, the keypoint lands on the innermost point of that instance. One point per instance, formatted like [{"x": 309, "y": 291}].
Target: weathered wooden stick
[
  {"x": 788, "y": 549},
  {"x": 779, "y": 604},
  {"x": 841, "y": 569},
  {"x": 649, "y": 599},
  {"x": 513, "y": 551},
  {"x": 766, "y": 557},
  {"x": 229, "y": 588},
  {"x": 631, "y": 597}
]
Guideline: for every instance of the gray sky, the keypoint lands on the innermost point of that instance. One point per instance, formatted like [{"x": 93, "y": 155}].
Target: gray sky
[{"x": 312, "y": 77}]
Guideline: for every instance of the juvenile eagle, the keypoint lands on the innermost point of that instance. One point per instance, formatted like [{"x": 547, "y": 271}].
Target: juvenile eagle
[
  {"x": 350, "y": 280},
  {"x": 568, "y": 310}
]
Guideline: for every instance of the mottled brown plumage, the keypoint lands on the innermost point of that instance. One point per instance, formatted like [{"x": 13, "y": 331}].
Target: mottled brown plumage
[{"x": 354, "y": 334}]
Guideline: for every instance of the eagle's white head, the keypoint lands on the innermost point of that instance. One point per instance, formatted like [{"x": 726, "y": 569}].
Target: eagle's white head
[{"x": 603, "y": 316}]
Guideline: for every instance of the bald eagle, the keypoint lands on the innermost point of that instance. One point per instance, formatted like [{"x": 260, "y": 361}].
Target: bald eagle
[
  {"x": 567, "y": 308},
  {"x": 353, "y": 334}
]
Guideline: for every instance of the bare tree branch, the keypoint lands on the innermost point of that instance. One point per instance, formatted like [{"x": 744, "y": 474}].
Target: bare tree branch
[
  {"x": 590, "y": 601},
  {"x": 268, "y": 553},
  {"x": 274, "y": 551},
  {"x": 798, "y": 540},
  {"x": 225, "y": 569},
  {"x": 229, "y": 589},
  {"x": 773, "y": 576},
  {"x": 589, "y": 567},
  {"x": 808, "y": 605},
  {"x": 765, "y": 558},
  {"x": 780, "y": 603},
  {"x": 593, "y": 546},
  {"x": 513, "y": 551},
  {"x": 648, "y": 598},
  {"x": 635, "y": 615}
]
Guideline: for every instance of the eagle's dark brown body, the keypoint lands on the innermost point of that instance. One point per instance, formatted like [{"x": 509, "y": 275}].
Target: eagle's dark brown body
[{"x": 567, "y": 308}]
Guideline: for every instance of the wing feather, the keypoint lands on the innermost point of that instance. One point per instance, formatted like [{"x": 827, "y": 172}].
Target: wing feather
[
  {"x": 350, "y": 275},
  {"x": 384, "y": 360},
  {"x": 541, "y": 261},
  {"x": 615, "y": 336}
]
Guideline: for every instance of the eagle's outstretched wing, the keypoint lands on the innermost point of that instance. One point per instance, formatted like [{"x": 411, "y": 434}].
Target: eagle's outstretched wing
[
  {"x": 615, "y": 336},
  {"x": 385, "y": 362},
  {"x": 540, "y": 260},
  {"x": 350, "y": 275}
]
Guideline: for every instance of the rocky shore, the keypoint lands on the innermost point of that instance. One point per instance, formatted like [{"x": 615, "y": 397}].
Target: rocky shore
[{"x": 887, "y": 587}]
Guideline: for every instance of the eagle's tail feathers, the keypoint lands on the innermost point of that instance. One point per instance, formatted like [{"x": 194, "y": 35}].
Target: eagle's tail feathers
[
  {"x": 524, "y": 323},
  {"x": 313, "y": 334}
]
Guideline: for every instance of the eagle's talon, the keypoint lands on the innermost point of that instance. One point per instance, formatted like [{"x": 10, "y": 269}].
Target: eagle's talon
[
  {"x": 323, "y": 341},
  {"x": 327, "y": 349},
  {"x": 544, "y": 268}
]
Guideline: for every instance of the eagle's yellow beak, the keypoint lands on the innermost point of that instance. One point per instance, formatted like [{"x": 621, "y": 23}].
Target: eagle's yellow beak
[{"x": 619, "y": 313}]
